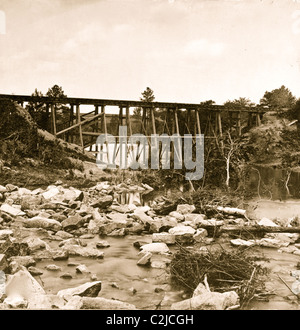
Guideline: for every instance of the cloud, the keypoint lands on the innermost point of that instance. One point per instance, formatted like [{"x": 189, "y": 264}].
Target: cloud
[{"x": 203, "y": 47}]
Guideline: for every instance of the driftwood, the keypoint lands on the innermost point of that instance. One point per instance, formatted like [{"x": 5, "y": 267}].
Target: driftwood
[{"x": 257, "y": 229}]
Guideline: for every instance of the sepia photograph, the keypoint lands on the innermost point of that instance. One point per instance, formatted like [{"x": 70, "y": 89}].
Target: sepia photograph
[{"x": 149, "y": 157}]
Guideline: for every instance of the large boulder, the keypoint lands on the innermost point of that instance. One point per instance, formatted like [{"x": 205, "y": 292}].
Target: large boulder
[
  {"x": 89, "y": 289},
  {"x": 21, "y": 288},
  {"x": 208, "y": 301},
  {"x": 73, "y": 222},
  {"x": 155, "y": 248},
  {"x": 41, "y": 222}
]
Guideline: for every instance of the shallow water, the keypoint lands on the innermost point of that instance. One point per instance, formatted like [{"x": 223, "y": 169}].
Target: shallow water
[
  {"x": 149, "y": 288},
  {"x": 119, "y": 273}
]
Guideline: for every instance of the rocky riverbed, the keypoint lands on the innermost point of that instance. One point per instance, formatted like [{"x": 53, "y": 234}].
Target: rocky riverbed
[{"x": 99, "y": 248}]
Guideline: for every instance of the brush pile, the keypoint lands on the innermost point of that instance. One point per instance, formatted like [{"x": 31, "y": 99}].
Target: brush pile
[{"x": 222, "y": 270}]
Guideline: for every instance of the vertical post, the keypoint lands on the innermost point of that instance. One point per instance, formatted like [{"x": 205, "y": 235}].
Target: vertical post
[
  {"x": 95, "y": 128},
  {"x": 219, "y": 121},
  {"x": 46, "y": 127},
  {"x": 104, "y": 129},
  {"x": 128, "y": 120},
  {"x": 53, "y": 117},
  {"x": 71, "y": 120},
  {"x": 258, "y": 119},
  {"x": 78, "y": 119},
  {"x": 198, "y": 122}
]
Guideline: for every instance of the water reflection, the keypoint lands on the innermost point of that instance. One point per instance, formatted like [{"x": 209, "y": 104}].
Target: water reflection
[{"x": 274, "y": 183}]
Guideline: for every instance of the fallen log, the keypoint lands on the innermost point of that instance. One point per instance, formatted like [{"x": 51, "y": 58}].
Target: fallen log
[{"x": 258, "y": 229}]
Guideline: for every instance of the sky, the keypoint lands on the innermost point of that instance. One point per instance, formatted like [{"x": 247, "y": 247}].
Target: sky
[{"x": 184, "y": 50}]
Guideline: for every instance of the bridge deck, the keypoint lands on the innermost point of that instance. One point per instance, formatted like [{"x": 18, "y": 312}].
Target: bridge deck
[{"x": 130, "y": 103}]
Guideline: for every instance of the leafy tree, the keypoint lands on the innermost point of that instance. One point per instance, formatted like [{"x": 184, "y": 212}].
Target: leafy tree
[
  {"x": 240, "y": 102},
  {"x": 279, "y": 98},
  {"x": 147, "y": 96},
  {"x": 37, "y": 110}
]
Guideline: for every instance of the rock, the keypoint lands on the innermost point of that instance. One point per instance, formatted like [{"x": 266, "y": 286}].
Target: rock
[
  {"x": 21, "y": 287},
  {"x": 89, "y": 252},
  {"x": 178, "y": 216},
  {"x": 284, "y": 237},
  {"x": 118, "y": 232},
  {"x": 46, "y": 302},
  {"x": 60, "y": 255},
  {"x": 89, "y": 289},
  {"x": 183, "y": 234},
  {"x": 105, "y": 304},
  {"x": 93, "y": 227},
  {"x": 11, "y": 248},
  {"x": 289, "y": 249},
  {"x": 194, "y": 219},
  {"x": 271, "y": 243},
  {"x": 3, "y": 263},
  {"x": 200, "y": 234},
  {"x": 50, "y": 193},
  {"x": 208, "y": 301},
  {"x": 10, "y": 187},
  {"x": 102, "y": 244},
  {"x": 200, "y": 289},
  {"x": 25, "y": 261},
  {"x": 135, "y": 228},
  {"x": 35, "y": 243},
  {"x": 73, "y": 222},
  {"x": 30, "y": 202},
  {"x": 35, "y": 271},
  {"x": 103, "y": 202},
  {"x": 118, "y": 217},
  {"x": 2, "y": 189},
  {"x": 139, "y": 244},
  {"x": 64, "y": 235},
  {"x": 40, "y": 222},
  {"x": 13, "y": 211},
  {"x": 155, "y": 248},
  {"x": 145, "y": 260},
  {"x": 159, "y": 263},
  {"x": 265, "y": 222},
  {"x": 73, "y": 303},
  {"x": 5, "y": 233},
  {"x": 53, "y": 267},
  {"x": 15, "y": 302},
  {"x": 241, "y": 242},
  {"x": 141, "y": 216},
  {"x": 106, "y": 229},
  {"x": 166, "y": 238},
  {"x": 59, "y": 217},
  {"x": 82, "y": 269},
  {"x": 185, "y": 208},
  {"x": 94, "y": 277},
  {"x": 182, "y": 230},
  {"x": 66, "y": 276}
]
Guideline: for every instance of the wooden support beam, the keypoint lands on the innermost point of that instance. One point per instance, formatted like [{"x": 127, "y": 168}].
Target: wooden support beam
[
  {"x": 78, "y": 119},
  {"x": 53, "y": 118},
  {"x": 258, "y": 122},
  {"x": 79, "y": 124},
  {"x": 198, "y": 122}
]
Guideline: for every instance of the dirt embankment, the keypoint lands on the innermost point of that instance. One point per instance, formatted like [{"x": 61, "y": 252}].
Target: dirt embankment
[{"x": 31, "y": 157}]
